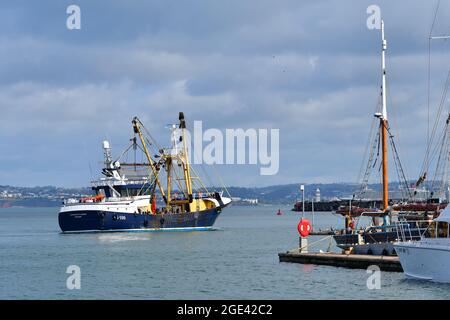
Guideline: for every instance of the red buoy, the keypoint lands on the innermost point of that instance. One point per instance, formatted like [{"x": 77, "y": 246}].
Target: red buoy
[
  {"x": 279, "y": 213},
  {"x": 304, "y": 228}
]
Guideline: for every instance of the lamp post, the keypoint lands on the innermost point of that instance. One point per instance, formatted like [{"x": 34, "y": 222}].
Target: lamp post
[{"x": 302, "y": 189}]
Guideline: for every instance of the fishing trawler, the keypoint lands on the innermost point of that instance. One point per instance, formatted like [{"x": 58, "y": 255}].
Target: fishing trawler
[{"x": 125, "y": 198}]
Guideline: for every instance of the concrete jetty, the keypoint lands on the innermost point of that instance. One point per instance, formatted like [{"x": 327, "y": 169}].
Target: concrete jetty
[{"x": 354, "y": 261}]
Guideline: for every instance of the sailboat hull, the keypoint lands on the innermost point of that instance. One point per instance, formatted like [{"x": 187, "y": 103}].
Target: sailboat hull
[{"x": 111, "y": 221}]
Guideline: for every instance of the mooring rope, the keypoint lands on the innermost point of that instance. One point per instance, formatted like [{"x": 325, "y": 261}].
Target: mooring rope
[{"x": 309, "y": 245}]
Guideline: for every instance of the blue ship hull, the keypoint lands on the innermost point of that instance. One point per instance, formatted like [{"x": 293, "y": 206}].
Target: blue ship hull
[{"x": 96, "y": 221}]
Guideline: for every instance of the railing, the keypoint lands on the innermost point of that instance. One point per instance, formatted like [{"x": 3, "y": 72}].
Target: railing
[
  {"x": 78, "y": 201},
  {"x": 199, "y": 195},
  {"x": 74, "y": 201},
  {"x": 411, "y": 230},
  {"x": 124, "y": 182}
]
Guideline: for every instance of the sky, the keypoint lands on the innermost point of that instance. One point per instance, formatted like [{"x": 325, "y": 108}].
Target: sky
[{"x": 308, "y": 68}]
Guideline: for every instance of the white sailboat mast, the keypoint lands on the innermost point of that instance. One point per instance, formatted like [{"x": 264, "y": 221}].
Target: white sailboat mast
[
  {"x": 383, "y": 67},
  {"x": 384, "y": 121}
]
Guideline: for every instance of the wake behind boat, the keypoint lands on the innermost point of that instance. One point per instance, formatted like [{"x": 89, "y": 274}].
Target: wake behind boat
[{"x": 126, "y": 197}]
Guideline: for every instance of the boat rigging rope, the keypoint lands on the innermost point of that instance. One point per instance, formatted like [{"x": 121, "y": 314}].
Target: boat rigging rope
[
  {"x": 178, "y": 182},
  {"x": 370, "y": 165},
  {"x": 221, "y": 181},
  {"x": 123, "y": 153},
  {"x": 198, "y": 182},
  {"x": 368, "y": 143},
  {"x": 398, "y": 165},
  {"x": 442, "y": 161},
  {"x": 309, "y": 245},
  {"x": 426, "y": 163},
  {"x": 429, "y": 84},
  {"x": 427, "y": 160},
  {"x": 208, "y": 178},
  {"x": 150, "y": 139}
]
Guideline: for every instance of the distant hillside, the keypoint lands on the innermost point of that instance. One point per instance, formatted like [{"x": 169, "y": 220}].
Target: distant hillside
[
  {"x": 289, "y": 193},
  {"x": 277, "y": 194}
]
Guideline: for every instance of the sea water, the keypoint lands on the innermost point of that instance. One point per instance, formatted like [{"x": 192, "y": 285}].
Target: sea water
[{"x": 239, "y": 260}]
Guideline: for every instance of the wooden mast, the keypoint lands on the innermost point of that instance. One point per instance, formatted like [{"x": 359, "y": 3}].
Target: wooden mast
[
  {"x": 385, "y": 164},
  {"x": 169, "y": 181},
  {"x": 384, "y": 121}
]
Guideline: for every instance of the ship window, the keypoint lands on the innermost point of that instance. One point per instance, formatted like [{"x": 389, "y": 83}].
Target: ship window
[
  {"x": 431, "y": 230},
  {"x": 442, "y": 230},
  {"x": 130, "y": 192}
]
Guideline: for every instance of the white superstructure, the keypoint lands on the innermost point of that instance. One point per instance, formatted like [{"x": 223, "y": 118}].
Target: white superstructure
[{"x": 429, "y": 257}]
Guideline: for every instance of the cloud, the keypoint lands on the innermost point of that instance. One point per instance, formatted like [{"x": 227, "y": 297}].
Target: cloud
[{"x": 310, "y": 69}]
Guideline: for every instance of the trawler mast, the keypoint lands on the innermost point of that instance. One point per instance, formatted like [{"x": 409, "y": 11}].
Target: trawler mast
[
  {"x": 180, "y": 157},
  {"x": 185, "y": 161},
  {"x": 167, "y": 160},
  {"x": 137, "y": 129}
]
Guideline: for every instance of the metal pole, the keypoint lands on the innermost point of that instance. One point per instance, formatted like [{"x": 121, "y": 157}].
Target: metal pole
[
  {"x": 302, "y": 188},
  {"x": 348, "y": 219}
]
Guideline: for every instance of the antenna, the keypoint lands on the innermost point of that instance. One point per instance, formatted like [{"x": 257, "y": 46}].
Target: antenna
[{"x": 107, "y": 153}]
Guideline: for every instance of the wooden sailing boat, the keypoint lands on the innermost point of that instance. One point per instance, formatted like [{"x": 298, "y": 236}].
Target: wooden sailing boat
[
  {"x": 377, "y": 239},
  {"x": 352, "y": 211},
  {"x": 384, "y": 122}
]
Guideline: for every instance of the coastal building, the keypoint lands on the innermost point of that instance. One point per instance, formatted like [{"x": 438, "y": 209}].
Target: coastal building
[
  {"x": 251, "y": 201},
  {"x": 245, "y": 201},
  {"x": 317, "y": 195}
]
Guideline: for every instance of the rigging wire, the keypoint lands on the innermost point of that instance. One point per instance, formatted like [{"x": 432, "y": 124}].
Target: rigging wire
[
  {"x": 368, "y": 143},
  {"x": 372, "y": 143},
  {"x": 398, "y": 165},
  {"x": 370, "y": 165},
  {"x": 442, "y": 161},
  {"x": 427, "y": 164},
  {"x": 151, "y": 180},
  {"x": 208, "y": 178},
  {"x": 427, "y": 160}
]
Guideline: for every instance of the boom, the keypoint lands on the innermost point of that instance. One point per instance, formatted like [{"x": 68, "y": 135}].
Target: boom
[{"x": 137, "y": 129}]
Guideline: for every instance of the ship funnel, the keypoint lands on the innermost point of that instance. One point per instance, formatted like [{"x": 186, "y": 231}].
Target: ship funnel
[{"x": 182, "y": 121}]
